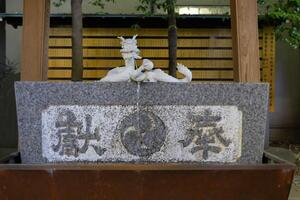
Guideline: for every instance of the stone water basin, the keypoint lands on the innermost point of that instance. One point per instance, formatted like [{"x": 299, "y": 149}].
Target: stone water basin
[{"x": 206, "y": 123}]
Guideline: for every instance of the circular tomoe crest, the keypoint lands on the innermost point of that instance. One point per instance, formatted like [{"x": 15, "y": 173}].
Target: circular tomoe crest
[{"x": 142, "y": 133}]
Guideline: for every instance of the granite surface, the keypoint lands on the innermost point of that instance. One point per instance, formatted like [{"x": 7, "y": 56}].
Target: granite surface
[
  {"x": 142, "y": 133},
  {"x": 36, "y": 99}
]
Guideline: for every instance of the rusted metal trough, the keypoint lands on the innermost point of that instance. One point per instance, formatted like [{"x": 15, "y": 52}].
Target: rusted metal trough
[{"x": 151, "y": 181}]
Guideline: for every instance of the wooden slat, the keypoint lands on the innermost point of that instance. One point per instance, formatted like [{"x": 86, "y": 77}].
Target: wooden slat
[
  {"x": 114, "y": 42},
  {"x": 157, "y": 53},
  {"x": 157, "y": 43},
  {"x": 66, "y": 73},
  {"x": 193, "y": 64},
  {"x": 91, "y": 63},
  {"x": 141, "y": 32},
  {"x": 59, "y": 74},
  {"x": 147, "y": 53}
]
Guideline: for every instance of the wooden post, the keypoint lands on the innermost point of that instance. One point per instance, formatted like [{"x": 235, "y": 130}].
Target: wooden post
[
  {"x": 77, "y": 50},
  {"x": 34, "y": 64},
  {"x": 244, "y": 26},
  {"x": 172, "y": 38}
]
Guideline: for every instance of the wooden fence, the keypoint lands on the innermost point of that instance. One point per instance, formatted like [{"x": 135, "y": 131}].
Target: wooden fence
[{"x": 207, "y": 52}]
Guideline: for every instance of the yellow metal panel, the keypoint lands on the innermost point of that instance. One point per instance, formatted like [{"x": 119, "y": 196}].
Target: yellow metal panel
[
  {"x": 268, "y": 63},
  {"x": 97, "y": 74},
  {"x": 210, "y": 74},
  {"x": 141, "y": 32},
  {"x": 67, "y": 42},
  {"x": 151, "y": 42},
  {"x": 146, "y": 53},
  {"x": 60, "y": 52},
  {"x": 58, "y": 63},
  {"x": 59, "y": 74},
  {"x": 153, "y": 53},
  {"x": 94, "y": 63},
  {"x": 94, "y": 73},
  {"x": 196, "y": 74}
]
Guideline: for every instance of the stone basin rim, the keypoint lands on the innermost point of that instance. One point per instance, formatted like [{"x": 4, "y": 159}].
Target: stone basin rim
[
  {"x": 145, "y": 167},
  {"x": 135, "y": 83}
]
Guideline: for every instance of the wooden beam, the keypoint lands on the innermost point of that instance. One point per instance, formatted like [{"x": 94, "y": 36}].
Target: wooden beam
[
  {"x": 35, "y": 40},
  {"x": 244, "y": 25}
]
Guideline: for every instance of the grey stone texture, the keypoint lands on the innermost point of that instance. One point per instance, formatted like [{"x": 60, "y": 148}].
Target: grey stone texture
[
  {"x": 142, "y": 133},
  {"x": 33, "y": 98}
]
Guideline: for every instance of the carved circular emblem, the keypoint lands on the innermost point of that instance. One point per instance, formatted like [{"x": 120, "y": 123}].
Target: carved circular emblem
[{"x": 142, "y": 133}]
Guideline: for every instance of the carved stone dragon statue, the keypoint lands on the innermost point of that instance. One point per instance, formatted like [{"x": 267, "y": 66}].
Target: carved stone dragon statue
[{"x": 144, "y": 73}]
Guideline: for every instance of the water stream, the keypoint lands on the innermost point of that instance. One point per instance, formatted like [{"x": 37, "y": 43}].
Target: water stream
[{"x": 138, "y": 106}]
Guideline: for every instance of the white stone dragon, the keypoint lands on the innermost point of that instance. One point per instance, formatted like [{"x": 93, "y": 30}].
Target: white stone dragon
[{"x": 144, "y": 73}]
